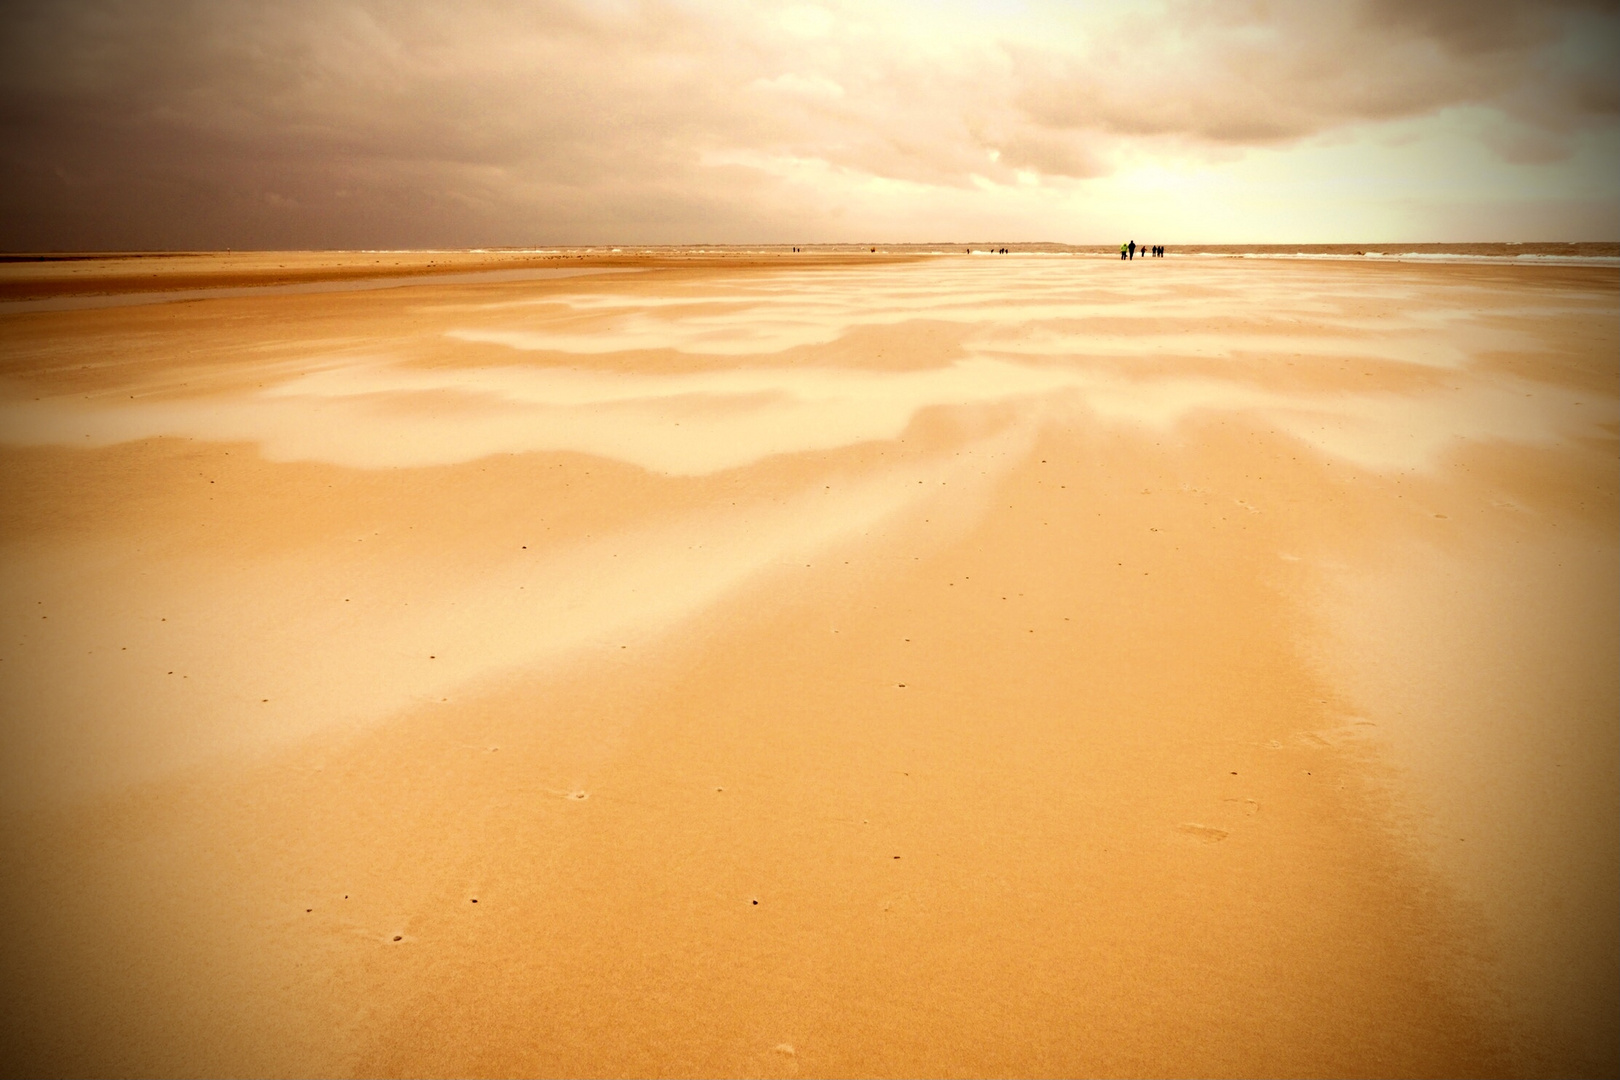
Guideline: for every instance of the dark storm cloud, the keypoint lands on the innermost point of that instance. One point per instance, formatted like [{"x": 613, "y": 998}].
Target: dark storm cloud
[
  {"x": 1257, "y": 73},
  {"x": 348, "y": 124}
]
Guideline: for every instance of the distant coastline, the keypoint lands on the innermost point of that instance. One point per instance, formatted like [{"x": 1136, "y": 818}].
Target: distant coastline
[
  {"x": 58, "y": 281},
  {"x": 1585, "y": 249}
]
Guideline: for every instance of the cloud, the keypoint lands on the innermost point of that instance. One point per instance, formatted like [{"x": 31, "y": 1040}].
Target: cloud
[
  {"x": 811, "y": 86},
  {"x": 413, "y": 124},
  {"x": 1248, "y": 74}
]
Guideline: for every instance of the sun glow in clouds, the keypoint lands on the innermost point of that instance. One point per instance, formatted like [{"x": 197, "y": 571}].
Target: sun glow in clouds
[{"x": 193, "y": 127}]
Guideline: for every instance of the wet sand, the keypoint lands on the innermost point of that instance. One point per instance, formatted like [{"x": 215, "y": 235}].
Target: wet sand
[{"x": 826, "y": 665}]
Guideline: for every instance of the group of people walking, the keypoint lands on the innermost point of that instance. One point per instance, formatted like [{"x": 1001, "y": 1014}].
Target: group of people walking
[{"x": 1131, "y": 251}]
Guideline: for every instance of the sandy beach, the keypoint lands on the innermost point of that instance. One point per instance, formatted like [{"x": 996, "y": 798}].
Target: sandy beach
[{"x": 829, "y": 664}]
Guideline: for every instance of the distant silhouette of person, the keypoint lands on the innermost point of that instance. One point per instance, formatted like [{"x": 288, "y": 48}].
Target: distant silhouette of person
[
  {"x": 1133, "y": 249},
  {"x": 1122, "y": 253}
]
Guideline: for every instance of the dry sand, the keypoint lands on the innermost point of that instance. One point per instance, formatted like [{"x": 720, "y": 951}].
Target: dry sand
[{"x": 827, "y": 665}]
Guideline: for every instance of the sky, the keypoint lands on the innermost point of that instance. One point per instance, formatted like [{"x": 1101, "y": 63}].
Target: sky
[{"x": 130, "y": 125}]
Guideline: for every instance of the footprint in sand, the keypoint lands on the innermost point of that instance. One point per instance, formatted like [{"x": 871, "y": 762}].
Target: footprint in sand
[
  {"x": 1206, "y": 834},
  {"x": 780, "y": 1060},
  {"x": 1356, "y": 728}
]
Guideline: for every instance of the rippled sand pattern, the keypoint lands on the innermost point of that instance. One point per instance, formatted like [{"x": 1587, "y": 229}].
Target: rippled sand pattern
[
  {"x": 775, "y": 367},
  {"x": 1215, "y": 643}
]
